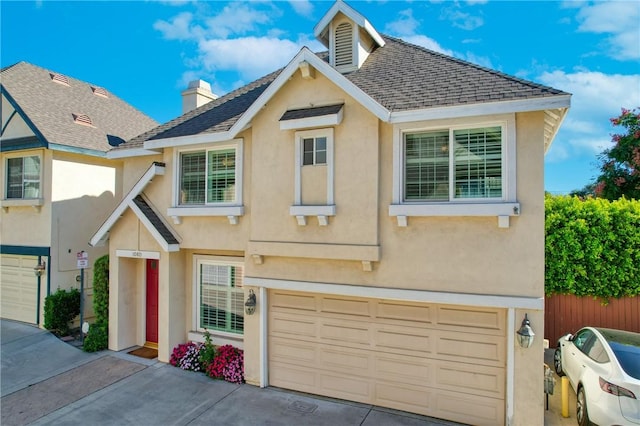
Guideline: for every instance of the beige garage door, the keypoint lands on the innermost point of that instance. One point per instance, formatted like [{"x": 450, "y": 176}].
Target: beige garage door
[
  {"x": 18, "y": 288},
  {"x": 437, "y": 360}
]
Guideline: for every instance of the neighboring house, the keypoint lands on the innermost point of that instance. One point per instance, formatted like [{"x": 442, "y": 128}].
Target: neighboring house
[
  {"x": 383, "y": 202},
  {"x": 57, "y": 184}
]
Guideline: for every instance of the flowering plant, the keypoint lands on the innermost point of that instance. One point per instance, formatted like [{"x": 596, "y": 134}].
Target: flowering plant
[
  {"x": 224, "y": 362},
  {"x": 228, "y": 365},
  {"x": 187, "y": 356}
]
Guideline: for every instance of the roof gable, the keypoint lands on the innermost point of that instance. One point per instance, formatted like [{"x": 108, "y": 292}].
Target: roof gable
[
  {"x": 49, "y": 101},
  {"x": 321, "y": 29}
]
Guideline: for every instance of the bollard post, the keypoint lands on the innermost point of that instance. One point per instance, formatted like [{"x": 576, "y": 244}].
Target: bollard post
[{"x": 565, "y": 396}]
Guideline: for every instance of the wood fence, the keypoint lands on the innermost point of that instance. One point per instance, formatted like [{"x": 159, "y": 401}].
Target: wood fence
[{"x": 567, "y": 313}]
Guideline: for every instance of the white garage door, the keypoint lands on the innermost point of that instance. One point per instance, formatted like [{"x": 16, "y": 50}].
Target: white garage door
[
  {"x": 19, "y": 288},
  {"x": 437, "y": 360}
]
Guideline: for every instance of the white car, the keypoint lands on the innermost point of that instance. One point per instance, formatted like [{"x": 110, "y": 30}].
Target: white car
[{"x": 603, "y": 366}]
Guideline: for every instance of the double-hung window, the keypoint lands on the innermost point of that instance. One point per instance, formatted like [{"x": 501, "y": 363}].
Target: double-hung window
[
  {"x": 209, "y": 177},
  {"x": 220, "y": 297},
  {"x": 23, "y": 177},
  {"x": 314, "y": 150},
  {"x": 453, "y": 164}
]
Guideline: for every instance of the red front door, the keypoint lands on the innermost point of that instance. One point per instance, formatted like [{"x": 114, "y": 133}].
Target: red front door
[{"x": 152, "y": 301}]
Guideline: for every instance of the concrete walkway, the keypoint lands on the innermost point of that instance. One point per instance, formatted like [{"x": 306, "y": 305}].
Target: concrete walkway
[{"x": 48, "y": 382}]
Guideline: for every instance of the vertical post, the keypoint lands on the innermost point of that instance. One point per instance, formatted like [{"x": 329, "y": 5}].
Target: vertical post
[
  {"x": 81, "y": 304},
  {"x": 565, "y": 396}
]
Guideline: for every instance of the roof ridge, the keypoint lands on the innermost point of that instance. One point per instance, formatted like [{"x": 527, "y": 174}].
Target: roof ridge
[{"x": 468, "y": 63}]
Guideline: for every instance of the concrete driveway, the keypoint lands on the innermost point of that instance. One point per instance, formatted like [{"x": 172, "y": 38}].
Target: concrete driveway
[{"x": 48, "y": 382}]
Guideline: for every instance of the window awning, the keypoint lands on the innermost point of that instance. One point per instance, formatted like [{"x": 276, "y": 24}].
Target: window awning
[{"x": 304, "y": 118}]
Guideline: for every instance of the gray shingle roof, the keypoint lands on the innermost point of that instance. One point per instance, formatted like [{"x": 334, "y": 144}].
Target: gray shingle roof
[
  {"x": 400, "y": 76},
  {"x": 50, "y": 107},
  {"x": 294, "y": 114},
  {"x": 154, "y": 219}
]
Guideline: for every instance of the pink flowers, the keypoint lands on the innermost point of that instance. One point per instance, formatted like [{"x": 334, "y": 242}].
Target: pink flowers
[{"x": 227, "y": 364}]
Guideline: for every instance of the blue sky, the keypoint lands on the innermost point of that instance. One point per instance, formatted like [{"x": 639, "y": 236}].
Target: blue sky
[{"x": 146, "y": 52}]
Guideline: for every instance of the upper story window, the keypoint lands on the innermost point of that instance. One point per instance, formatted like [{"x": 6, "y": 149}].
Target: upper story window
[
  {"x": 456, "y": 167},
  {"x": 23, "y": 177},
  {"x": 220, "y": 296},
  {"x": 314, "y": 150},
  {"x": 453, "y": 164},
  {"x": 209, "y": 176}
]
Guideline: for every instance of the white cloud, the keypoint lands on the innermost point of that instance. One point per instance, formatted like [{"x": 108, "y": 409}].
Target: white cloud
[
  {"x": 597, "y": 97},
  {"x": 236, "y": 18},
  {"x": 619, "y": 19},
  {"x": 405, "y": 25},
  {"x": 302, "y": 7},
  {"x": 251, "y": 57},
  {"x": 461, "y": 19},
  {"x": 427, "y": 42},
  {"x": 179, "y": 28}
]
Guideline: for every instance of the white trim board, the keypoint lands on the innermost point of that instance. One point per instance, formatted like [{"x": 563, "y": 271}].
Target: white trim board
[{"x": 466, "y": 299}]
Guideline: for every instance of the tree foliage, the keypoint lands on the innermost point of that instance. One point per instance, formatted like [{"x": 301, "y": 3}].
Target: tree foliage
[
  {"x": 592, "y": 247},
  {"x": 620, "y": 164}
]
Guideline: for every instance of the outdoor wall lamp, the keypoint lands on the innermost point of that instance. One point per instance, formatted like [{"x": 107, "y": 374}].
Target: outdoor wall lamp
[
  {"x": 525, "y": 333},
  {"x": 40, "y": 268},
  {"x": 250, "y": 304}
]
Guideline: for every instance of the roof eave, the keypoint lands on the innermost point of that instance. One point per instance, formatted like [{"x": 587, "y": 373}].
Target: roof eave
[
  {"x": 133, "y": 152},
  {"x": 188, "y": 140},
  {"x": 485, "y": 108}
]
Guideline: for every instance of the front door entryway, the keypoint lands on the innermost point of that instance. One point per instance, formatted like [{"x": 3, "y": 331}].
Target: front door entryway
[{"x": 152, "y": 303}]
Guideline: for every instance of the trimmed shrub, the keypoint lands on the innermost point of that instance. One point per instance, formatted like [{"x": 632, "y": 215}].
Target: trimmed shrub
[
  {"x": 60, "y": 308},
  {"x": 592, "y": 247},
  {"x": 97, "y": 338}
]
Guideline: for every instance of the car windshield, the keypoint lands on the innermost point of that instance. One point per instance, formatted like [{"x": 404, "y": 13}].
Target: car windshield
[{"x": 626, "y": 347}]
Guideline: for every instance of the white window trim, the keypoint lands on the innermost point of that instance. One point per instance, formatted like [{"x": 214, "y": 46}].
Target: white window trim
[
  {"x": 503, "y": 208},
  {"x": 36, "y": 203},
  {"x": 217, "y": 335},
  {"x": 231, "y": 210},
  {"x": 299, "y": 210}
]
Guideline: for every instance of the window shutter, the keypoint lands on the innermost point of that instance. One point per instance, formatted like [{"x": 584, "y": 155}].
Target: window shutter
[{"x": 343, "y": 45}]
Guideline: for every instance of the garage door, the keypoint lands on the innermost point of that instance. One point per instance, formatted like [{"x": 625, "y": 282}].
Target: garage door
[
  {"x": 437, "y": 360},
  {"x": 19, "y": 288}
]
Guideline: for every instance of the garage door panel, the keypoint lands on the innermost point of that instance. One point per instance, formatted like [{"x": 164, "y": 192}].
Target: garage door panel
[
  {"x": 352, "y": 388},
  {"x": 471, "y": 348},
  {"x": 408, "y": 338},
  {"x": 300, "y": 353},
  {"x": 345, "y": 307},
  {"x": 294, "y": 302},
  {"x": 420, "y": 358},
  {"x": 354, "y": 333},
  {"x": 476, "y": 321},
  {"x": 289, "y": 325},
  {"x": 398, "y": 368},
  {"x": 404, "y": 396},
  {"x": 469, "y": 409},
  {"x": 471, "y": 379},
  {"x": 348, "y": 361},
  {"x": 412, "y": 313}
]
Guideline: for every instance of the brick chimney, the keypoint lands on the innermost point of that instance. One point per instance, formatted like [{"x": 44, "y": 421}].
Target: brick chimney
[{"x": 197, "y": 94}]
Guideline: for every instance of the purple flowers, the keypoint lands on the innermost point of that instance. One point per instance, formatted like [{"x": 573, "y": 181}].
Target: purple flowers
[{"x": 187, "y": 356}]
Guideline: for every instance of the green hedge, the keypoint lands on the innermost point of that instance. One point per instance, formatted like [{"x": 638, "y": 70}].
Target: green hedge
[
  {"x": 98, "y": 336},
  {"x": 592, "y": 247}
]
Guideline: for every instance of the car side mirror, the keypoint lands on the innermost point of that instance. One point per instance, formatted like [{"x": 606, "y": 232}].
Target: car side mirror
[{"x": 571, "y": 337}]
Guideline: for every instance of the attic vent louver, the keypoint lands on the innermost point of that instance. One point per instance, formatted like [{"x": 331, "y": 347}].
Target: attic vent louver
[
  {"x": 83, "y": 119},
  {"x": 344, "y": 45},
  {"x": 99, "y": 91},
  {"x": 59, "y": 78}
]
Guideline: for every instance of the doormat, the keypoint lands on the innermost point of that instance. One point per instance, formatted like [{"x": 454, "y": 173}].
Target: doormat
[{"x": 144, "y": 352}]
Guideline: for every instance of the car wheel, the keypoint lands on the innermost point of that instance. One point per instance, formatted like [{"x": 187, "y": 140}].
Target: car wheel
[
  {"x": 582, "y": 415},
  {"x": 557, "y": 362}
]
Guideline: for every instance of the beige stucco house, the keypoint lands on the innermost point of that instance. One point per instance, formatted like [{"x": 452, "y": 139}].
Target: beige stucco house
[
  {"x": 57, "y": 184},
  {"x": 383, "y": 202}
]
